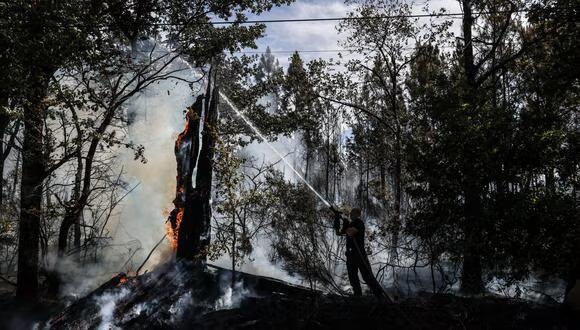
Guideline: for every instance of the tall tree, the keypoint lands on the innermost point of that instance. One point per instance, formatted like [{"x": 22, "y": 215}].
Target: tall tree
[{"x": 64, "y": 28}]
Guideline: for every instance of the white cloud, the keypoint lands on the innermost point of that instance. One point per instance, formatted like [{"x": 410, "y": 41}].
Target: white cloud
[
  {"x": 303, "y": 35},
  {"x": 290, "y": 36}
]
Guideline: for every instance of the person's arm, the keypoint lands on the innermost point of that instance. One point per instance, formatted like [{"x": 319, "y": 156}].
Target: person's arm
[
  {"x": 340, "y": 230},
  {"x": 344, "y": 230},
  {"x": 357, "y": 227}
]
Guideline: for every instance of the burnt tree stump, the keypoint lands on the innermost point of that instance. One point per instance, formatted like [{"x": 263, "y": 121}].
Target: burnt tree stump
[{"x": 189, "y": 221}]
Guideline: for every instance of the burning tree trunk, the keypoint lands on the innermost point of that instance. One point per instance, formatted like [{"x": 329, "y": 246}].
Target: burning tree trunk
[{"x": 189, "y": 222}]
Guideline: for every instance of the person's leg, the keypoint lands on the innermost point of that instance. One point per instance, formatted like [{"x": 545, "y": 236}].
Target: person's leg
[
  {"x": 369, "y": 277},
  {"x": 352, "y": 268}
]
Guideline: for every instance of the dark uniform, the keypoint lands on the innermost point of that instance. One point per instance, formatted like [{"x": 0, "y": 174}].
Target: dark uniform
[{"x": 356, "y": 256}]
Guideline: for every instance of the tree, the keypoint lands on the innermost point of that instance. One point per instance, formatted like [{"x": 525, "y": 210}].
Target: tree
[
  {"x": 299, "y": 107},
  {"x": 378, "y": 99},
  {"x": 299, "y": 235},
  {"x": 268, "y": 66},
  {"x": 245, "y": 203},
  {"x": 476, "y": 124},
  {"x": 73, "y": 33},
  {"x": 41, "y": 23}
]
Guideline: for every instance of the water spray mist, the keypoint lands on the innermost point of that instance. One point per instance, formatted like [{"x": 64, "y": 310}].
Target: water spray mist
[{"x": 263, "y": 138}]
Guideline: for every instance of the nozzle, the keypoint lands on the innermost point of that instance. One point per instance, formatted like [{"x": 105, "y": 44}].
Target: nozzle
[{"x": 333, "y": 209}]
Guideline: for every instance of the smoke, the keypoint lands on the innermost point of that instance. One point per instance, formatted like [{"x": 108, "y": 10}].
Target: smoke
[
  {"x": 158, "y": 117},
  {"x": 79, "y": 281},
  {"x": 259, "y": 264},
  {"x": 107, "y": 303},
  {"x": 231, "y": 296},
  {"x": 138, "y": 223},
  {"x": 532, "y": 289},
  {"x": 180, "y": 307}
]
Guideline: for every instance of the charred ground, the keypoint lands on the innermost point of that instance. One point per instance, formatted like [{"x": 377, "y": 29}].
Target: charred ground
[{"x": 181, "y": 296}]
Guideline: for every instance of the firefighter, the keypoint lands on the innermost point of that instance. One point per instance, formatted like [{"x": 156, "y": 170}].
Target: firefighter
[{"x": 356, "y": 256}]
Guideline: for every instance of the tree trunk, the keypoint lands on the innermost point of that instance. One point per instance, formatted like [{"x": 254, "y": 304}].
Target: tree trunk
[
  {"x": 308, "y": 144},
  {"x": 193, "y": 204},
  {"x": 471, "y": 281},
  {"x": 327, "y": 173},
  {"x": 397, "y": 182},
  {"x": 72, "y": 213},
  {"x": 4, "y": 120},
  {"x": 84, "y": 175},
  {"x": 33, "y": 168},
  {"x": 186, "y": 154},
  {"x": 550, "y": 181},
  {"x": 233, "y": 254},
  {"x": 397, "y": 170},
  {"x": 204, "y": 173}
]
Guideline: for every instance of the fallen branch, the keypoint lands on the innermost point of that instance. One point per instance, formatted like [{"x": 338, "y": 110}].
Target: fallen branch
[
  {"x": 129, "y": 259},
  {"x": 150, "y": 253}
]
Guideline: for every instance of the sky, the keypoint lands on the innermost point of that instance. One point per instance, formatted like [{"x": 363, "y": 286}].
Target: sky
[{"x": 311, "y": 36}]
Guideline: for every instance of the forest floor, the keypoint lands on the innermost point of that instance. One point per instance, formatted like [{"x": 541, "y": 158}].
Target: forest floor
[
  {"x": 428, "y": 312},
  {"x": 176, "y": 296}
]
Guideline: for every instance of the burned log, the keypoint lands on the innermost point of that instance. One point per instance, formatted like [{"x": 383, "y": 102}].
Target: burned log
[
  {"x": 189, "y": 222},
  {"x": 174, "y": 295}
]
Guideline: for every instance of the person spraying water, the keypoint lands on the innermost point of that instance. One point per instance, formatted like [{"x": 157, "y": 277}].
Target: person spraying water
[{"x": 356, "y": 256}]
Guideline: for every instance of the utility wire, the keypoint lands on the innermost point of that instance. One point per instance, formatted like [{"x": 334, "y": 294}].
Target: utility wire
[
  {"x": 357, "y": 18},
  {"x": 297, "y": 50},
  {"x": 351, "y": 50},
  {"x": 330, "y": 19}
]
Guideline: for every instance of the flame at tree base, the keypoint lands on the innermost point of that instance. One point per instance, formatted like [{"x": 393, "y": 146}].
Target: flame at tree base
[{"x": 172, "y": 228}]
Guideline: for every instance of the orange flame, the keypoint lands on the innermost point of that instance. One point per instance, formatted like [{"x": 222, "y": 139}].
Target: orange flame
[
  {"x": 182, "y": 134},
  {"x": 122, "y": 280},
  {"x": 172, "y": 233},
  {"x": 172, "y": 228}
]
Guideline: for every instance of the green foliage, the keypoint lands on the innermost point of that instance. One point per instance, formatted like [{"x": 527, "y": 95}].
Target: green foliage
[
  {"x": 512, "y": 142},
  {"x": 300, "y": 234}
]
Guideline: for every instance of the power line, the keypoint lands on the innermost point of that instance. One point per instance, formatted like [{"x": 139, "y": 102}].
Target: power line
[
  {"x": 297, "y": 50},
  {"x": 317, "y": 50},
  {"x": 350, "y": 18},
  {"x": 327, "y": 19}
]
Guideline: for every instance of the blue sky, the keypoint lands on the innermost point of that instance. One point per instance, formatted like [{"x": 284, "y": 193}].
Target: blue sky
[{"x": 316, "y": 35}]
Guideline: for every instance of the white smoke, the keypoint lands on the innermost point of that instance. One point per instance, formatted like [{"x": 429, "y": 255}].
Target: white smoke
[
  {"x": 179, "y": 308},
  {"x": 158, "y": 118},
  {"x": 107, "y": 303},
  {"x": 231, "y": 296},
  {"x": 79, "y": 281},
  {"x": 136, "y": 311},
  {"x": 259, "y": 264}
]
